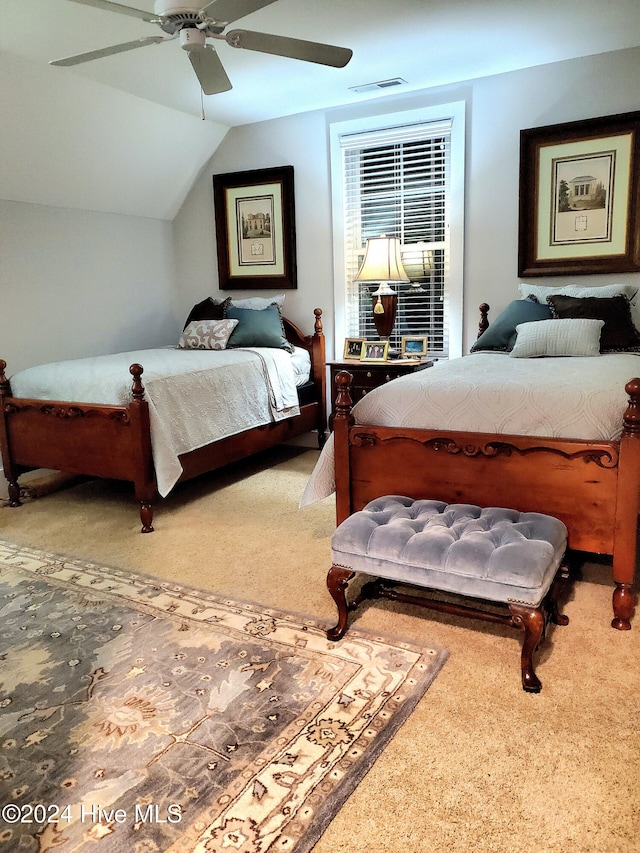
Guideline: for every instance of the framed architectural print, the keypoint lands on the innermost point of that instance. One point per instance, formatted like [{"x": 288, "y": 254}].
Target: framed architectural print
[
  {"x": 255, "y": 229},
  {"x": 580, "y": 197}
]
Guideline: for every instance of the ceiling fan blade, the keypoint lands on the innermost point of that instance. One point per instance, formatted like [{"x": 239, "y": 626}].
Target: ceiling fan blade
[
  {"x": 108, "y": 51},
  {"x": 118, "y": 7},
  {"x": 232, "y": 10},
  {"x": 209, "y": 70},
  {"x": 308, "y": 51}
]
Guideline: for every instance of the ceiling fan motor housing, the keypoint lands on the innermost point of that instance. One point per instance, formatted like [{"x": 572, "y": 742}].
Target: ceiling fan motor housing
[
  {"x": 176, "y": 17},
  {"x": 167, "y": 8}
]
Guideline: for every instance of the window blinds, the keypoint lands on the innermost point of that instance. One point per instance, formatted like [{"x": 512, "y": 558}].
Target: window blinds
[{"x": 397, "y": 183}]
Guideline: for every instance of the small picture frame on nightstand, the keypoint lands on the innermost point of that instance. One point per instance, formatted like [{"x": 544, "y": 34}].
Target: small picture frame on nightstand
[
  {"x": 375, "y": 351},
  {"x": 353, "y": 348},
  {"x": 414, "y": 346}
]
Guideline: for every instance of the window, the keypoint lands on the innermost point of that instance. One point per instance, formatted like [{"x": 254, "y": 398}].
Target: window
[{"x": 402, "y": 179}]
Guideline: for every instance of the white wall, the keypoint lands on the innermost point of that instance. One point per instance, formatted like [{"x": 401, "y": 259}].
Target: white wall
[
  {"x": 76, "y": 283},
  {"x": 497, "y": 109}
]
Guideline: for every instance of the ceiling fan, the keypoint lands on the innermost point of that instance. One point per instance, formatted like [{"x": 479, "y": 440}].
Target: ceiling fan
[{"x": 193, "y": 24}]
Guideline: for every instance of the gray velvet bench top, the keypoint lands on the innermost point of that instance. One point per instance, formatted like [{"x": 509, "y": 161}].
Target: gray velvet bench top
[{"x": 514, "y": 561}]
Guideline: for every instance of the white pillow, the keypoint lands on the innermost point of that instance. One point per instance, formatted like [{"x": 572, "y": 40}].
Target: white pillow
[
  {"x": 207, "y": 334},
  {"x": 258, "y": 303},
  {"x": 541, "y": 291},
  {"x": 577, "y": 337}
]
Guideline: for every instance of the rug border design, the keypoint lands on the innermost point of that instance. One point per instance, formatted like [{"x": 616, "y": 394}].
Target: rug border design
[{"x": 357, "y": 652}]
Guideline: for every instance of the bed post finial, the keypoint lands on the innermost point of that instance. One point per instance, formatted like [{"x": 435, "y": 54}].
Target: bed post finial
[
  {"x": 344, "y": 401},
  {"x": 4, "y": 382},
  {"x": 631, "y": 417},
  {"x": 136, "y": 370},
  {"x": 483, "y": 325},
  {"x": 317, "y": 328}
]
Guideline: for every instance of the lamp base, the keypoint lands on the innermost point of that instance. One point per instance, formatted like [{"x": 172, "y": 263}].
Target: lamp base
[{"x": 384, "y": 321}]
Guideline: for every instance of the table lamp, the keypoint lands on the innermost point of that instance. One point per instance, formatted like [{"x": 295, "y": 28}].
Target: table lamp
[{"x": 383, "y": 264}]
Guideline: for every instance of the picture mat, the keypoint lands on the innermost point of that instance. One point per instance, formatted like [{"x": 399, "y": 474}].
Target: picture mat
[
  {"x": 237, "y": 197},
  {"x": 621, "y": 145}
]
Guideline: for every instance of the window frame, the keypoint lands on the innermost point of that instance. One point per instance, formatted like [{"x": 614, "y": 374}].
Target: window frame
[{"x": 453, "y": 112}]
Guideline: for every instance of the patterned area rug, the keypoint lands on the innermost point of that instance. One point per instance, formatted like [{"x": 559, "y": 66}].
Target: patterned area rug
[{"x": 138, "y": 715}]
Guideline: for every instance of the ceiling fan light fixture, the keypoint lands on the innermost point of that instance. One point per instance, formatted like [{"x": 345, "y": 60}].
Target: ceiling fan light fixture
[{"x": 191, "y": 38}]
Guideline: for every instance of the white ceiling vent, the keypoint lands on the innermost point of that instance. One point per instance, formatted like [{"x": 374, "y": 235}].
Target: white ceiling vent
[{"x": 381, "y": 84}]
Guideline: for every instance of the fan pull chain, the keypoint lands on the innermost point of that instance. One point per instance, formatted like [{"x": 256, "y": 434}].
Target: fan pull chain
[{"x": 202, "y": 115}]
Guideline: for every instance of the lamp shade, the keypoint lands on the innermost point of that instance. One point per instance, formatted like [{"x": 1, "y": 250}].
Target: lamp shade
[{"x": 382, "y": 261}]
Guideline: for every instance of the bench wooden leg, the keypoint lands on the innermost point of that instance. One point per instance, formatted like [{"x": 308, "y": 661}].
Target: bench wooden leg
[
  {"x": 563, "y": 575},
  {"x": 337, "y": 581},
  {"x": 532, "y": 621}
]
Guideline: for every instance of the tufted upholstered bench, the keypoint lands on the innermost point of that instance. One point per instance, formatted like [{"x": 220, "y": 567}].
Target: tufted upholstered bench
[{"x": 515, "y": 560}]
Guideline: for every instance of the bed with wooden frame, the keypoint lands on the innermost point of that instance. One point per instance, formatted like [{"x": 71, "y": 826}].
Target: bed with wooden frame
[
  {"x": 592, "y": 486},
  {"x": 115, "y": 441}
]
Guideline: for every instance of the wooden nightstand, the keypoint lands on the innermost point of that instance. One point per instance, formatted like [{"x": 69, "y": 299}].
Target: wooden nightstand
[{"x": 371, "y": 374}]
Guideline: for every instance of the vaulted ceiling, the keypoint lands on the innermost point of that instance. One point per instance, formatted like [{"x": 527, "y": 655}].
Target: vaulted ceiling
[{"x": 102, "y": 134}]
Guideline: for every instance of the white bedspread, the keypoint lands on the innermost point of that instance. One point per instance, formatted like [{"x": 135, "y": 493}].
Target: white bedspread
[
  {"x": 582, "y": 398},
  {"x": 194, "y": 396}
]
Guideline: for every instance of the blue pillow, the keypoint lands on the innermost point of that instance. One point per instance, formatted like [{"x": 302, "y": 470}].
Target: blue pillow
[
  {"x": 501, "y": 334},
  {"x": 257, "y": 328}
]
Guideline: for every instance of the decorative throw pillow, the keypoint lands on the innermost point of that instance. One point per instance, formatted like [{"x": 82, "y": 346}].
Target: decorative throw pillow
[
  {"x": 618, "y": 333},
  {"x": 501, "y": 334},
  {"x": 257, "y": 303},
  {"x": 257, "y": 328},
  {"x": 208, "y": 309},
  {"x": 604, "y": 291},
  {"x": 558, "y": 338},
  {"x": 207, "y": 334}
]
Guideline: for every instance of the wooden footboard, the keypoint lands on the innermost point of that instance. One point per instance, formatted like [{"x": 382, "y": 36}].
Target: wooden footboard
[
  {"x": 593, "y": 487},
  {"x": 79, "y": 438},
  {"x": 115, "y": 441}
]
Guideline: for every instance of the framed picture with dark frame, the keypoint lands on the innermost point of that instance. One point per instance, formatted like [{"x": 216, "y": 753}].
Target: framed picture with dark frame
[
  {"x": 255, "y": 229},
  {"x": 374, "y": 351},
  {"x": 353, "y": 348},
  {"x": 580, "y": 197}
]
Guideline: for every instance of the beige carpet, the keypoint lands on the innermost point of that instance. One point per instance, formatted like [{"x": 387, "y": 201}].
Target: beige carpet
[{"x": 480, "y": 765}]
